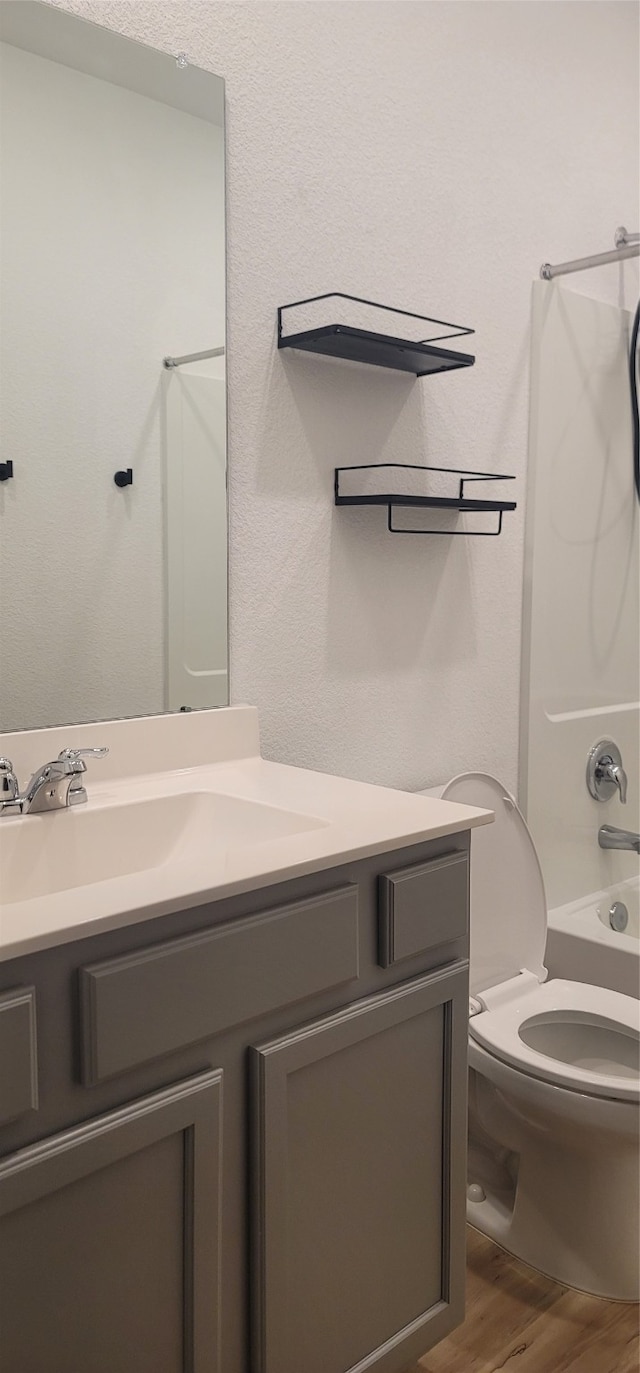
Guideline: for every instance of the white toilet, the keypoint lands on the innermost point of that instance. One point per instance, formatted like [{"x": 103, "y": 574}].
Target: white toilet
[{"x": 554, "y": 1077}]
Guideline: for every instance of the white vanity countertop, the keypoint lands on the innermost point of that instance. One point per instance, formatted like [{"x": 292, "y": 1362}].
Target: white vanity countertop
[{"x": 337, "y": 821}]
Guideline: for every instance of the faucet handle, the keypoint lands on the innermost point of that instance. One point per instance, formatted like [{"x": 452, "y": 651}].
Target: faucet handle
[
  {"x": 72, "y": 760},
  {"x": 73, "y": 757},
  {"x": 605, "y": 773},
  {"x": 619, "y": 776},
  {"x": 8, "y": 781}
]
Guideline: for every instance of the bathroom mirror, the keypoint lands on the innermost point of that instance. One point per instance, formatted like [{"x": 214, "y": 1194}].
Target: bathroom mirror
[{"x": 113, "y": 525}]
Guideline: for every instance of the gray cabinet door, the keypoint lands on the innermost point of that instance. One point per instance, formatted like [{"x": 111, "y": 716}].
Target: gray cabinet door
[
  {"x": 359, "y": 1170},
  {"x": 18, "y": 1053},
  {"x": 109, "y": 1241}
]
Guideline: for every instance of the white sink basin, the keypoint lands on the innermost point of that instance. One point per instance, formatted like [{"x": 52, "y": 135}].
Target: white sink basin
[{"x": 44, "y": 854}]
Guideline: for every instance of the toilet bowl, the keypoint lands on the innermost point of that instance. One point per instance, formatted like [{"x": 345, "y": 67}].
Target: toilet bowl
[{"x": 554, "y": 1078}]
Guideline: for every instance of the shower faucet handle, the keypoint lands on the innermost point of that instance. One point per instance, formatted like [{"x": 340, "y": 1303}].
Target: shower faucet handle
[
  {"x": 618, "y": 775},
  {"x": 605, "y": 773}
]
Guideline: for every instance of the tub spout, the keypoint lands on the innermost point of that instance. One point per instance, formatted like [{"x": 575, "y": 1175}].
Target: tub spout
[{"x": 611, "y": 838}]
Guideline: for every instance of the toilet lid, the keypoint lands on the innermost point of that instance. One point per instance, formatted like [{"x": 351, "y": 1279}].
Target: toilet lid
[{"x": 508, "y": 902}]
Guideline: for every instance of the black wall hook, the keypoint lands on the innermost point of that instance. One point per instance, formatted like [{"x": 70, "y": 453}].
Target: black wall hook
[
  {"x": 124, "y": 478},
  {"x": 6, "y": 471}
]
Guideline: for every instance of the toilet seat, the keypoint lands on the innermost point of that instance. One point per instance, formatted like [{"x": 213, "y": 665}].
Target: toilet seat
[
  {"x": 609, "y": 1018},
  {"x": 574, "y": 1034}
]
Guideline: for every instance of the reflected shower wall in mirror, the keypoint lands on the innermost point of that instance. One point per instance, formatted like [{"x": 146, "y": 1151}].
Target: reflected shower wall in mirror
[{"x": 113, "y": 598}]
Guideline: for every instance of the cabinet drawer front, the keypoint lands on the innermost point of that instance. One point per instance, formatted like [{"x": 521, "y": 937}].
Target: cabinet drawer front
[
  {"x": 160, "y": 999},
  {"x": 423, "y": 906},
  {"x": 18, "y": 1056}
]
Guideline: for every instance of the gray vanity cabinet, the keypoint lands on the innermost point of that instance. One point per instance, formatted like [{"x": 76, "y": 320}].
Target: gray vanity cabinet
[
  {"x": 109, "y": 1241},
  {"x": 359, "y": 1166},
  {"x": 232, "y": 1138}
]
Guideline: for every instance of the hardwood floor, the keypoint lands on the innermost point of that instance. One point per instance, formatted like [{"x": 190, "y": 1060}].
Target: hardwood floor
[{"x": 521, "y": 1322}]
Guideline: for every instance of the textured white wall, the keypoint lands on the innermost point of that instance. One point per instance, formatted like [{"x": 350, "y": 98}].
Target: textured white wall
[
  {"x": 111, "y": 216},
  {"x": 430, "y": 155}
]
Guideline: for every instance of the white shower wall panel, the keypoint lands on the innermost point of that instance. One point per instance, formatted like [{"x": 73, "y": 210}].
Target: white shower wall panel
[
  {"x": 196, "y": 537},
  {"x": 581, "y": 680},
  {"x": 96, "y": 288}
]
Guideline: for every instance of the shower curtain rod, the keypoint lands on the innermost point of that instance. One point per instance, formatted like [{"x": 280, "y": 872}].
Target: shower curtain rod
[
  {"x": 627, "y": 245},
  {"x": 194, "y": 357}
]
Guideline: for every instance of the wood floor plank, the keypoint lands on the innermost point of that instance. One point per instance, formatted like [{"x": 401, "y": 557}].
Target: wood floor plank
[
  {"x": 579, "y": 1334},
  {"x": 519, "y": 1321}
]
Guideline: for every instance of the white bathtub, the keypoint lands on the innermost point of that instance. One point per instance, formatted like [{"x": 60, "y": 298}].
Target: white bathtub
[{"x": 582, "y": 947}]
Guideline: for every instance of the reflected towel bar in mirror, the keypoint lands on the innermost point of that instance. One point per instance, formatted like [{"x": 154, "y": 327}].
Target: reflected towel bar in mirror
[{"x": 193, "y": 357}]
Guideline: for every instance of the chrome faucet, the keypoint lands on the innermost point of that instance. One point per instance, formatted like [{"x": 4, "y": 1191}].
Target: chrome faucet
[
  {"x": 54, "y": 786},
  {"x": 611, "y": 838},
  {"x": 605, "y": 773}
]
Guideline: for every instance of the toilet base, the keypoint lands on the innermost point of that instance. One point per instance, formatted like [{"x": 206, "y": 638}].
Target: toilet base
[{"x": 563, "y": 1200}]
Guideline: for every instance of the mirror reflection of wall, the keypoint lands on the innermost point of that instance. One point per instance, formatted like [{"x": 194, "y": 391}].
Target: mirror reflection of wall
[{"x": 113, "y": 600}]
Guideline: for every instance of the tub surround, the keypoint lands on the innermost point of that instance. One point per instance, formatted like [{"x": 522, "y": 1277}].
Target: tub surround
[
  {"x": 192, "y": 758},
  {"x": 582, "y": 945},
  {"x": 580, "y": 679}
]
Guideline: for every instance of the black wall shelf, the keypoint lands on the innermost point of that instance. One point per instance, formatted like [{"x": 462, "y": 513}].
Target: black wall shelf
[
  {"x": 392, "y": 499},
  {"x": 419, "y": 356}
]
